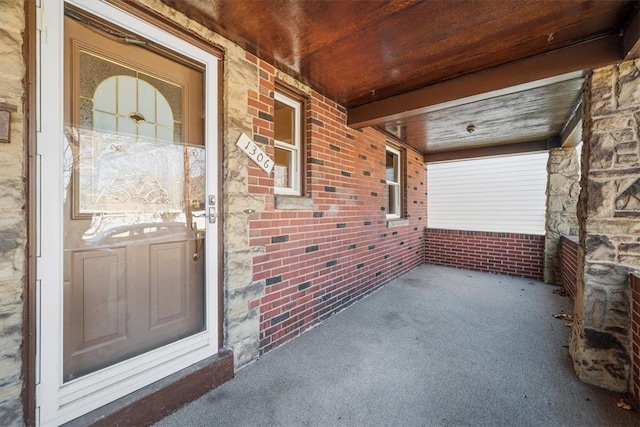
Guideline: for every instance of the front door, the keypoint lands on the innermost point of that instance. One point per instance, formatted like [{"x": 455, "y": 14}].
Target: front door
[{"x": 138, "y": 221}]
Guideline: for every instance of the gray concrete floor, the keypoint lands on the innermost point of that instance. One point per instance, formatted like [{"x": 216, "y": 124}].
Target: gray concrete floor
[{"x": 435, "y": 347}]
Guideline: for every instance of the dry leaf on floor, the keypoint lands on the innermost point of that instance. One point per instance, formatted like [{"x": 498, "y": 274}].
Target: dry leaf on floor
[
  {"x": 623, "y": 405},
  {"x": 564, "y": 316},
  {"x": 560, "y": 291}
]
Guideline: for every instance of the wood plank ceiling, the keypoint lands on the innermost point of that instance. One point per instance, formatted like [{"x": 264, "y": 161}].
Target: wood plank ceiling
[{"x": 427, "y": 70}]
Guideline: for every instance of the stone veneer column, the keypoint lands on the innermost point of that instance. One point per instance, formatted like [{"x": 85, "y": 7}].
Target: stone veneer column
[
  {"x": 609, "y": 217},
  {"x": 563, "y": 188},
  {"x": 13, "y": 227}
]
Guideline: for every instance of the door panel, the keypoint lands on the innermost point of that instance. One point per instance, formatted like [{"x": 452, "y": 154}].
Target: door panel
[{"x": 134, "y": 176}]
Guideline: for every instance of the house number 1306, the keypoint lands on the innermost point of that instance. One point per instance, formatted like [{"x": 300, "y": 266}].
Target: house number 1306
[{"x": 255, "y": 153}]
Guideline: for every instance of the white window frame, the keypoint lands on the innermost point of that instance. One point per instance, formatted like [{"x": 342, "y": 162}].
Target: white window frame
[
  {"x": 295, "y": 172},
  {"x": 398, "y": 184}
]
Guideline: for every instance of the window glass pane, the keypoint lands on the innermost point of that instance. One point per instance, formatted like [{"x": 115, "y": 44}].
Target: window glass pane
[
  {"x": 282, "y": 167},
  {"x": 392, "y": 167},
  {"x": 147, "y": 131},
  {"x": 392, "y": 198},
  {"x": 284, "y": 123},
  {"x": 127, "y": 126},
  {"x": 147, "y": 101},
  {"x": 105, "y": 96},
  {"x": 127, "y": 94},
  {"x": 104, "y": 122}
]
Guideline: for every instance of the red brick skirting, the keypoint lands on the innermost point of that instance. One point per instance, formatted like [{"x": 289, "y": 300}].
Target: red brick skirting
[
  {"x": 513, "y": 254},
  {"x": 569, "y": 263},
  {"x": 634, "y": 284}
]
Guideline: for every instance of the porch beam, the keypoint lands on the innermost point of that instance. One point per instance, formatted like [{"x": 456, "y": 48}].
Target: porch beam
[
  {"x": 632, "y": 38},
  {"x": 495, "y": 150},
  {"x": 589, "y": 54},
  {"x": 571, "y": 134}
]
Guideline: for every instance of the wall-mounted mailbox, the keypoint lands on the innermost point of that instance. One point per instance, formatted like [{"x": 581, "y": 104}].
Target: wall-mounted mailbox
[{"x": 5, "y": 121}]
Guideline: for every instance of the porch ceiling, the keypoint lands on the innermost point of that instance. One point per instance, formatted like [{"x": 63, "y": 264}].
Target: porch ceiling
[{"x": 425, "y": 70}]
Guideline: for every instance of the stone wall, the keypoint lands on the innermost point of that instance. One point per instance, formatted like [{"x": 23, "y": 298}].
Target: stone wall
[
  {"x": 609, "y": 217},
  {"x": 563, "y": 188},
  {"x": 13, "y": 230}
]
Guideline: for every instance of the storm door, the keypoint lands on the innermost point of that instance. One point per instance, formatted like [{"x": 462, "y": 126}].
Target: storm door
[
  {"x": 135, "y": 164},
  {"x": 136, "y": 295}
]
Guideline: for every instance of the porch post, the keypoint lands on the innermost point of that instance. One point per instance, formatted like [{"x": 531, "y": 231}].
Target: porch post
[
  {"x": 563, "y": 188},
  {"x": 609, "y": 218}
]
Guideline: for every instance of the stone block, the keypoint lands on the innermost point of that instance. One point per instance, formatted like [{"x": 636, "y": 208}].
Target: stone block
[
  {"x": 628, "y": 197},
  {"x": 595, "y": 306},
  {"x": 603, "y": 78},
  {"x": 628, "y": 90},
  {"x": 246, "y": 350},
  {"x": 241, "y": 203},
  {"x": 11, "y": 405},
  {"x": 602, "y": 150},
  {"x": 603, "y": 361},
  {"x": 10, "y": 163},
  {"x": 236, "y": 231},
  {"x": 599, "y": 201},
  {"x": 599, "y": 247},
  {"x": 239, "y": 269},
  {"x": 246, "y": 293},
  {"x": 605, "y": 274},
  {"x": 243, "y": 326},
  {"x": 12, "y": 194},
  {"x": 613, "y": 123}
]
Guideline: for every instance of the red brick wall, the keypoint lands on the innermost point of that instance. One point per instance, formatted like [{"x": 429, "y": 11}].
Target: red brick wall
[
  {"x": 634, "y": 284},
  {"x": 318, "y": 261},
  {"x": 569, "y": 264},
  {"x": 513, "y": 254}
]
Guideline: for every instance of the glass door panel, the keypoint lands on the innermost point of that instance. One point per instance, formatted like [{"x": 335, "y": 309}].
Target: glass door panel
[{"x": 134, "y": 177}]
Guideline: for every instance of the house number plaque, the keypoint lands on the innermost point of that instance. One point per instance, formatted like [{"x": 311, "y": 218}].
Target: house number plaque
[{"x": 255, "y": 153}]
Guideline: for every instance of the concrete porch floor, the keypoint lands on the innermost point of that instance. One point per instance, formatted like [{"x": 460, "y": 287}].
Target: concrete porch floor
[{"x": 435, "y": 347}]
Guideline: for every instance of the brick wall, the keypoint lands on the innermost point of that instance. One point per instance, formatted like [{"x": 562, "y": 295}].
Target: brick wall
[
  {"x": 513, "y": 254},
  {"x": 318, "y": 260},
  {"x": 569, "y": 264},
  {"x": 634, "y": 284}
]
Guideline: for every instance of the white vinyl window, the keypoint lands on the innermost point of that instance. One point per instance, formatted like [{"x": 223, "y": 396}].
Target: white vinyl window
[
  {"x": 393, "y": 177},
  {"x": 287, "y": 156}
]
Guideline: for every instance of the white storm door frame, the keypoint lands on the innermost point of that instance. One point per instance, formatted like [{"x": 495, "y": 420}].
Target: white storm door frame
[{"x": 59, "y": 402}]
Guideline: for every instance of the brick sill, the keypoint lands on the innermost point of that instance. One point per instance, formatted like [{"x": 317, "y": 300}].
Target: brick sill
[
  {"x": 293, "y": 203},
  {"x": 391, "y": 223}
]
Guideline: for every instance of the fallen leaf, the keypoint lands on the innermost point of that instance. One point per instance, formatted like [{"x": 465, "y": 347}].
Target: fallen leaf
[
  {"x": 623, "y": 405},
  {"x": 560, "y": 291},
  {"x": 564, "y": 316}
]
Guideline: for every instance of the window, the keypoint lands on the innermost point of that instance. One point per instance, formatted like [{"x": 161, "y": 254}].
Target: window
[
  {"x": 288, "y": 150},
  {"x": 393, "y": 177}
]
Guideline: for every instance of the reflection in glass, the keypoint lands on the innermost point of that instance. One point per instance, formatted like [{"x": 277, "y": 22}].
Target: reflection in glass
[
  {"x": 134, "y": 270},
  {"x": 282, "y": 167},
  {"x": 392, "y": 199},
  {"x": 392, "y": 167},
  {"x": 134, "y": 239},
  {"x": 284, "y": 122}
]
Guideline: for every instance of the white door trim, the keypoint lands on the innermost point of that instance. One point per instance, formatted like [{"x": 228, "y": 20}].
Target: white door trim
[{"x": 57, "y": 402}]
